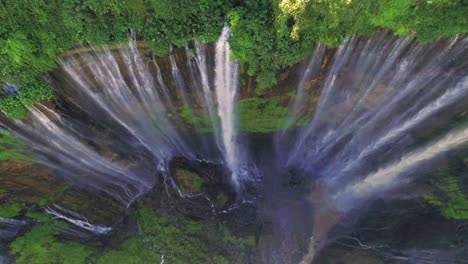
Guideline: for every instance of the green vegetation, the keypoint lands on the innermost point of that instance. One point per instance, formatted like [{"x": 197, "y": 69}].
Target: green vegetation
[
  {"x": 9, "y": 210},
  {"x": 177, "y": 22},
  {"x": 201, "y": 123},
  {"x": 8, "y": 148},
  {"x": 267, "y": 35},
  {"x": 16, "y": 106},
  {"x": 240, "y": 244},
  {"x": 188, "y": 181},
  {"x": 133, "y": 251},
  {"x": 270, "y": 35},
  {"x": 181, "y": 241},
  {"x": 262, "y": 115},
  {"x": 33, "y": 33},
  {"x": 428, "y": 19},
  {"x": 450, "y": 191},
  {"x": 451, "y": 200},
  {"x": 40, "y": 245},
  {"x": 41, "y": 217}
]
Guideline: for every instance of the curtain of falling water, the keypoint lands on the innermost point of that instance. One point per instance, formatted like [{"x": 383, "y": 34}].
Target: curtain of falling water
[
  {"x": 118, "y": 92},
  {"x": 226, "y": 83},
  {"x": 377, "y": 93}
]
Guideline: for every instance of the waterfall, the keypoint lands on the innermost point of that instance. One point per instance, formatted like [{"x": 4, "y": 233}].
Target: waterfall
[
  {"x": 312, "y": 71},
  {"x": 120, "y": 120},
  {"x": 398, "y": 86},
  {"x": 388, "y": 177},
  {"x": 206, "y": 87},
  {"x": 226, "y": 85},
  {"x": 76, "y": 219},
  {"x": 378, "y": 94},
  {"x": 133, "y": 130},
  {"x": 129, "y": 122},
  {"x": 9, "y": 228}
]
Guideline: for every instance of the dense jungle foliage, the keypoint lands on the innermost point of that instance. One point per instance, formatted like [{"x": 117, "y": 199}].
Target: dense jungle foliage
[{"x": 267, "y": 35}]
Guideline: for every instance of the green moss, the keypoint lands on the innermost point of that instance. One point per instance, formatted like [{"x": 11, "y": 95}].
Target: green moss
[
  {"x": 241, "y": 244},
  {"x": 10, "y": 154},
  {"x": 188, "y": 181},
  {"x": 256, "y": 115},
  {"x": 9, "y": 210},
  {"x": 262, "y": 115},
  {"x": 247, "y": 243},
  {"x": 201, "y": 123},
  {"x": 133, "y": 251},
  {"x": 40, "y": 246},
  {"x": 182, "y": 241},
  {"x": 221, "y": 200},
  {"x": 9, "y": 148},
  {"x": 41, "y": 217},
  {"x": 457, "y": 208},
  {"x": 448, "y": 196}
]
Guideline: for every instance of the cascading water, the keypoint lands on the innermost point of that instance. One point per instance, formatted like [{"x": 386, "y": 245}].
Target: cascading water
[
  {"x": 388, "y": 177},
  {"x": 312, "y": 71},
  {"x": 119, "y": 124},
  {"x": 226, "y": 84},
  {"x": 135, "y": 116},
  {"x": 378, "y": 93}
]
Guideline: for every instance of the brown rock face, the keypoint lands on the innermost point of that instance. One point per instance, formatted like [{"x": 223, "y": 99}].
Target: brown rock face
[{"x": 26, "y": 183}]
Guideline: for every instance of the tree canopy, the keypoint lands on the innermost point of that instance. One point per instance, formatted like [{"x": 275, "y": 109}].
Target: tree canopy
[{"x": 266, "y": 35}]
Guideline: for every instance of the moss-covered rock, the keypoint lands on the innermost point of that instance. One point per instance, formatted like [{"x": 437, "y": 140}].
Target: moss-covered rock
[
  {"x": 38, "y": 216},
  {"x": 9, "y": 210},
  {"x": 179, "y": 240},
  {"x": 98, "y": 209},
  {"x": 189, "y": 182},
  {"x": 259, "y": 115},
  {"x": 199, "y": 121},
  {"x": 133, "y": 251},
  {"x": 449, "y": 198},
  {"x": 41, "y": 246},
  {"x": 9, "y": 148},
  {"x": 449, "y": 186},
  {"x": 208, "y": 179}
]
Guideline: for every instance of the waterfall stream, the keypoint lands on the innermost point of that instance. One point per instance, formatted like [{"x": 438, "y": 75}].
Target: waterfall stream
[
  {"x": 129, "y": 98},
  {"x": 226, "y": 83},
  {"x": 123, "y": 114}
]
